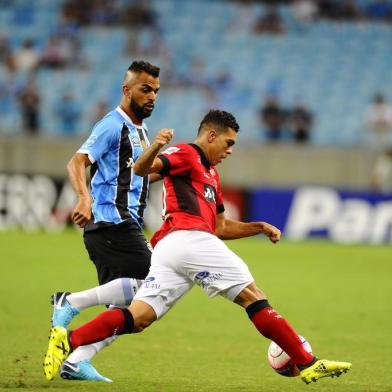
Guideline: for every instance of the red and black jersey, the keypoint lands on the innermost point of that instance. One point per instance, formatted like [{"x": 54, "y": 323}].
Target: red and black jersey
[{"x": 191, "y": 191}]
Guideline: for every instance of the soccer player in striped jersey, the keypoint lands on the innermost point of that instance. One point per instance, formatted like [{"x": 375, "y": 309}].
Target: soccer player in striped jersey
[
  {"x": 188, "y": 250},
  {"x": 112, "y": 212}
]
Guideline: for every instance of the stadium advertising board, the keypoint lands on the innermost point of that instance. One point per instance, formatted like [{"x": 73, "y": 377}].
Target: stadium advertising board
[
  {"x": 344, "y": 217},
  {"x": 41, "y": 202},
  {"x": 34, "y": 202}
]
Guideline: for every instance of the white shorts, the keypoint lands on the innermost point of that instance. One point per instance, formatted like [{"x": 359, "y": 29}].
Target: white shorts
[{"x": 186, "y": 257}]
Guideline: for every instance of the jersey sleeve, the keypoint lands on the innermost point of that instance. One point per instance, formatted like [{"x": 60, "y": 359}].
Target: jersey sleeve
[
  {"x": 176, "y": 160},
  {"x": 99, "y": 142},
  {"x": 219, "y": 199}
]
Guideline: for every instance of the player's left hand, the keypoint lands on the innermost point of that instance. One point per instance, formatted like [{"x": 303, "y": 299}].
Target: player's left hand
[{"x": 272, "y": 232}]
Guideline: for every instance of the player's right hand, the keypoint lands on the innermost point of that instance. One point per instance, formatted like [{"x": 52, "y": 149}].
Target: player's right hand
[
  {"x": 82, "y": 212},
  {"x": 272, "y": 232},
  {"x": 164, "y": 137}
]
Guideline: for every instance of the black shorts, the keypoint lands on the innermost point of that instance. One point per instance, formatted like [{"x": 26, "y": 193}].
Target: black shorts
[{"x": 118, "y": 251}]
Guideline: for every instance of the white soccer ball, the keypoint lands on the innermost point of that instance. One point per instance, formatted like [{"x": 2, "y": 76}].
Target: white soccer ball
[{"x": 281, "y": 362}]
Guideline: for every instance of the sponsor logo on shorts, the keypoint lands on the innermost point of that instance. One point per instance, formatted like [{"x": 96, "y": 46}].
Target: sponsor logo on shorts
[
  {"x": 205, "y": 278},
  {"x": 151, "y": 283}
]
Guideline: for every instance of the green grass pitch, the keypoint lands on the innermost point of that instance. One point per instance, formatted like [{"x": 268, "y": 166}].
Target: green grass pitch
[{"x": 338, "y": 297}]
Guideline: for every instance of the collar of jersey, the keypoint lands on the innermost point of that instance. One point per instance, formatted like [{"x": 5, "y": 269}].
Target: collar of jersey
[
  {"x": 203, "y": 158},
  {"x": 128, "y": 119}
]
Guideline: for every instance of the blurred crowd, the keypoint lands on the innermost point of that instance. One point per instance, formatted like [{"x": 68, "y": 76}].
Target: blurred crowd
[
  {"x": 64, "y": 49},
  {"x": 304, "y": 12},
  {"x": 285, "y": 124}
]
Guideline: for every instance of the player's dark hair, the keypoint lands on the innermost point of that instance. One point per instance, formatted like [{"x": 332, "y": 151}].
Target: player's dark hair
[
  {"x": 144, "y": 66},
  {"x": 221, "y": 119}
]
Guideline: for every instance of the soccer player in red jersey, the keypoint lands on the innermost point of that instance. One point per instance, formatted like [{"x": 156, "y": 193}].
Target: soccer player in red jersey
[{"x": 188, "y": 250}]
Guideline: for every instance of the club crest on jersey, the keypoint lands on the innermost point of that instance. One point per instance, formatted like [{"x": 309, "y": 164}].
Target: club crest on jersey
[
  {"x": 135, "y": 141},
  {"x": 204, "y": 278},
  {"x": 209, "y": 193}
]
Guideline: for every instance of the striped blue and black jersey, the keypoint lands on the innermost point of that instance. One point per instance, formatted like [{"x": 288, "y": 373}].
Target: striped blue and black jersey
[{"x": 118, "y": 194}]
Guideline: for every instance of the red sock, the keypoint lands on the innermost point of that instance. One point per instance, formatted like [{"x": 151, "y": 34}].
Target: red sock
[
  {"x": 112, "y": 322},
  {"x": 273, "y": 326}
]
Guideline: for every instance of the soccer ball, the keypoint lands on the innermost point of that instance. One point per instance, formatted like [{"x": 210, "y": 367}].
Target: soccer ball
[{"x": 281, "y": 362}]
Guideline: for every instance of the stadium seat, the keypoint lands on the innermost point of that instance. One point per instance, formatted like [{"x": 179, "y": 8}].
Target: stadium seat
[{"x": 334, "y": 68}]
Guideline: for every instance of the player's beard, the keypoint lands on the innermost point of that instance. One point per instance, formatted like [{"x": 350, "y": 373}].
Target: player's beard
[{"x": 139, "y": 111}]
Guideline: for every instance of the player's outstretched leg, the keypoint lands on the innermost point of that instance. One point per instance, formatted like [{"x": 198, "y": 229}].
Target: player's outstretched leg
[
  {"x": 324, "y": 368},
  {"x": 82, "y": 370},
  {"x": 58, "y": 350},
  {"x": 273, "y": 326}
]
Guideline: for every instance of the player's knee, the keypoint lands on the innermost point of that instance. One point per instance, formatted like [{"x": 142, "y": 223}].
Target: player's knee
[
  {"x": 143, "y": 315},
  {"x": 259, "y": 294},
  {"x": 249, "y": 295},
  {"x": 141, "y": 325}
]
